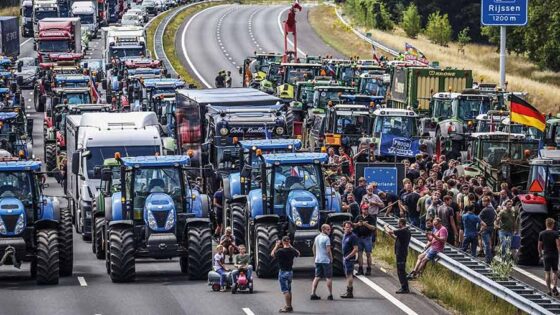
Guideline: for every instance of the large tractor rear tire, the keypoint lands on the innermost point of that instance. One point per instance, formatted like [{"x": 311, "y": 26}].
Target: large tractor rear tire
[
  {"x": 238, "y": 225},
  {"x": 531, "y": 226},
  {"x": 121, "y": 242},
  {"x": 338, "y": 257},
  {"x": 266, "y": 235},
  {"x": 65, "y": 243},
  {"x": 199, "y": 247},
  {"x": 50, "y": 157},
  {"x": 47, "y": 257},
  {"x": 98, "y": 241}
]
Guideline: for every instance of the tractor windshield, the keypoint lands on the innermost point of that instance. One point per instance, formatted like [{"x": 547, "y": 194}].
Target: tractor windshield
[
  {"x": 322, "y": 97},
  {"x": 372, "y": 86},
  {"x": 146, "y": 181},
  {"x": 299, "y": 74},
  {"x": 468, "y": 109},
  {"x": 443, "y": 108},
  {"x": 549, "y": 179},
  {"x": 17, "y": 185},
  {"x": 398, "y": 126},
  {"x": 350, "y": 123},
  {"x": 493, "y": 152},
  {"x": 77, "y": 98},
  {"x": 306, "y": 94},
  {"x": 289, "y": 178}
]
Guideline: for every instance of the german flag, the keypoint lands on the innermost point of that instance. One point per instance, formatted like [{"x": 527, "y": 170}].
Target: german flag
[{"x": 524, "y": 113}]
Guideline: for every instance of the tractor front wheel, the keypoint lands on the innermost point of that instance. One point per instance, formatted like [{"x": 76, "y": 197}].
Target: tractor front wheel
[
  {"x": 531, "y": 226},
  {"x": 238, "y": 223},
  {"x": 50, "y": 158},
  {"x": 65, "y": 243},
  {"x": 98, "y": 239},
  {"x": 266, "y": 235},
  {"x": 47, "y": 256},
  {"x": 199, "y": 248},
  {"x": 122, "y": 263}
]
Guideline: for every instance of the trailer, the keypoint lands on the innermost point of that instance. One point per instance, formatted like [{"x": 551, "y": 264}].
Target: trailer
[{"x": 9, "y": 36}]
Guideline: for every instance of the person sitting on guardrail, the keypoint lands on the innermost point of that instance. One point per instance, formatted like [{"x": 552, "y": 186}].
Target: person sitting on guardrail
[{"x": 436, "y": 243}]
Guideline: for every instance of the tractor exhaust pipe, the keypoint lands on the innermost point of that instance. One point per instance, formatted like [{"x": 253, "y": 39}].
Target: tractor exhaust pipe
[{"x": 9, "y": 258}]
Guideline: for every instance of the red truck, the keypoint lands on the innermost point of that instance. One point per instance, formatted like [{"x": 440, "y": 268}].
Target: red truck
[{"x": 58, "y": 35}]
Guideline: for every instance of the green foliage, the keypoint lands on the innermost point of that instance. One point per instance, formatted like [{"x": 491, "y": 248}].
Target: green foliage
[
  {"x": 439, "y": 29},
  {"x": 411, "y": 21},
  {"x": 370, "y": 13},
  {"x": 463, "y": 38},
  {"x": 502, "y": 268}
]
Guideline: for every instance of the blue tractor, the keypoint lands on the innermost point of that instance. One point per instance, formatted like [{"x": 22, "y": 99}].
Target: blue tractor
[
  {"x": 157, "y": 214},
  {"x": 292, "y": 200},
  {"x": 238, "y": 183},
  {"x": 33, "y": 227}
]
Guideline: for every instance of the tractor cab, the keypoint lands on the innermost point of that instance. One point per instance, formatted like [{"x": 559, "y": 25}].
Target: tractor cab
[
  {"x": 158, "y": 90},
  {"x": 346, "y": 124},
  {"x": 541, "y": 201},
  {"x": 324, "y": 96},
  {"x": 500, "y": 157},
  {"x": 255, "y": 68},
  {"x": 72, "y": 81},
  {"x": 162, "y": 213},
  {"x": 291, "y": 73},
  {"x": 14, "y": 134},
  {"x": 374, "y": 83},
  {"x": 72, "y": 96},
  {"x": 552, "y": 132},
  {"x": 395, "y": 133},
  {"x": 32, "y": 224},
  {"x": 293, "y": 200}
]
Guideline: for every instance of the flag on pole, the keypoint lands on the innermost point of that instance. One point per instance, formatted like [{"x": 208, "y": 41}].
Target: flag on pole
[
  {"x": 523, "y": 113},
  {"x": 374, "y": 52},
  {"x": 412, "y": 53}
]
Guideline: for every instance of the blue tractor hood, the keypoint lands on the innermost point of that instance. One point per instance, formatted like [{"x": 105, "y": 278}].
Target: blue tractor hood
[
  {"x": 12, "y": 212},
  {"x": 303, "y": 207},
  {"x": 159, "y": 212}
]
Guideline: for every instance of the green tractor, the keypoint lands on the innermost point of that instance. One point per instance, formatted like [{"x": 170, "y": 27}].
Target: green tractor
[{"x": 552, "y": 132}]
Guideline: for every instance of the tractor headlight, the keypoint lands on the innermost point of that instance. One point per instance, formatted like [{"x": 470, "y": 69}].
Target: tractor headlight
[
  {"x": 224, "y": 131},
  {"x": 279, "y": 130},
  {"x": 314, "y": 216},
  {"x": 296, "y": 217},
  {"x": 170, "y": 220},
  {"x": 20, "y": 224},
  {"x": 2, "y": 227},
  {"x": 152, "y": 221}
]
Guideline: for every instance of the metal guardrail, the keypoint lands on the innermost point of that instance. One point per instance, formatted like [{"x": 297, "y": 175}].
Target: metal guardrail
[
  {"x": 363, "y": 36},
  {"x": 511, "y": 290}
]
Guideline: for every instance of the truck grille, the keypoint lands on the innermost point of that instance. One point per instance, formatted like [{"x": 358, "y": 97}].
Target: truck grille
[
  {"x": 10, "y": 220},
  {"x": 161, "y": 217},
  {"x": 305, "y": 213}
]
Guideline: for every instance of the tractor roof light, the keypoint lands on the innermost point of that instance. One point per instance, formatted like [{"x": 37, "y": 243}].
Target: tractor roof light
[
  {"x": 323, "y": 149},
  {"x": 21, "y": 154},
  {"x": 190, "y": 153},
  {"x": 117, "y": 156},
  {"x": 254, "y": 148}
]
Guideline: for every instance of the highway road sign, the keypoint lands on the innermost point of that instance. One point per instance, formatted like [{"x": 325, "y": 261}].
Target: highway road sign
[{"x": 504, "y": 12}]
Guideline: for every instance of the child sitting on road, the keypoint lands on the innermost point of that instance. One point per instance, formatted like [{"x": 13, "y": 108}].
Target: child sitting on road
[{"x": 228, "y": 242}]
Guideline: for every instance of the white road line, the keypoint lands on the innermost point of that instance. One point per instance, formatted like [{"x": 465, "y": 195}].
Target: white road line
[
  {"x": 282, "y": 31},
  {"x": 82, "y": 281},
  {"x": 247, "y": 311},
  {"x": 386, "y": 295},
  {"x": 25, "y": 42},
  {"x": 185, "y": 53}
]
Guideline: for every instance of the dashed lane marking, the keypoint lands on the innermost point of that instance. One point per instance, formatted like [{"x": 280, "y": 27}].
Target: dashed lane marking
[
  {"x": 386, "y": 295},
  {"x": 82, "y": 281},
  {"x": 247, "y": 311},
  {"x": 25, "y": 42}
]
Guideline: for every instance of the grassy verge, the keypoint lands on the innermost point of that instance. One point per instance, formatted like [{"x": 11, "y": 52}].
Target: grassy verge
[
  {"x": 169, "y": 40},
  {"x": 522, "y": 75},
  {"x": 151, "y": 31},
  {"x": 332, "y": 31},
  {"x": 10, "y": 11},
  {"x": 449, "y": 290}
]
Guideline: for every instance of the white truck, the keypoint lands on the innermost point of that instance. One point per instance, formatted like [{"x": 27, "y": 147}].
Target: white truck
[
  {"x": 44, "y": 9},
  {"x": 87, "y": 12},
  {"x": 124, "y": 42},
  {"x": 93, "y": 137}
]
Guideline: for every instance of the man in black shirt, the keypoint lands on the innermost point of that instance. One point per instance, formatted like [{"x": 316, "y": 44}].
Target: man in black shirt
[
  {"x": 402, "y": 235},
  {"x": 285, "y": 254},
  {"x": 364, "y": 225},
  {"x": 549, "y": 245},
  {"x": 360, "y": 191}
]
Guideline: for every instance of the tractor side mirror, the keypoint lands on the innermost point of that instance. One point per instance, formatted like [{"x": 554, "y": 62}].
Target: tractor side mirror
[
  {"x": 76, "y": 163},
  {"x": 85, "y": 66},
  {"x": 106, "y": 174},
  {"x": 12, "y": 137},
  {"x": 97, "y": 172},
  {"x": 19, "y": 66},
  {"x": 246, "y": 171},
  {"x": 19, "y": 80},
  {"x": 108, "y": 66},
  {"x": 240, "y": 70}
]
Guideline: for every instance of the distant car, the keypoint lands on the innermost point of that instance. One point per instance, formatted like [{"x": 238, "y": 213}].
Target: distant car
[
  {"x": 27, "y": 69},
  {"x": 141, "y": 13},
  {"x": 132, "y": 19},
  {"x": 96, "y": 68},
  {"x": 150, "y": 6},
  {"x": 162, "y": 5}
]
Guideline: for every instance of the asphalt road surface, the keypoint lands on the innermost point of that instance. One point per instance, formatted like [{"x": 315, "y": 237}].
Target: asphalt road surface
[
  {"x": 160, "y": 287},
  {"x": 221, "y": 37}
]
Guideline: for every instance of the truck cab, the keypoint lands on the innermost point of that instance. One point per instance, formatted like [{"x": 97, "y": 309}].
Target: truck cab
[
  {"x": 44, "y": 9},
  {"x": 86, "y": 11},
  {"x": 27, "y": 18},
  {"x": 58, "y": 35}
]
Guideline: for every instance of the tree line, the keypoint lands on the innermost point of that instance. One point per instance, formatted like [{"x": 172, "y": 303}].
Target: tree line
[{"x": 443, "y": 21}]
